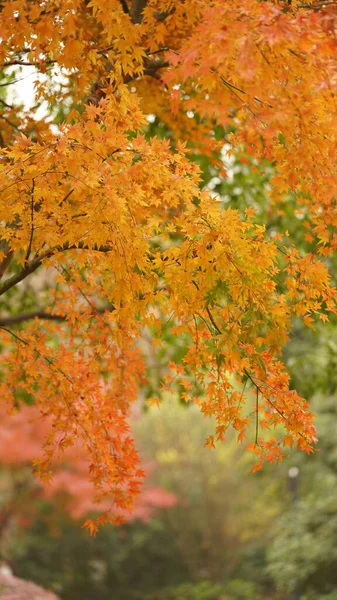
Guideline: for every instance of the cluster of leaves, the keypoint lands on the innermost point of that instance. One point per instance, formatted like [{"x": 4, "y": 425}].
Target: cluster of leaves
[
  {"x": 125, "y": 251},
  {"x": 195, "y": 549},
  {"x": 21, "y": 442},
  {"x": 223, "y": 525}
]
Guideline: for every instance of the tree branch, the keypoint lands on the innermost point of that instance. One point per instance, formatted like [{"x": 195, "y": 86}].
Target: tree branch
[
  {"x": 45, "y": 316},
  {"x": 125, "y": 7},
  {"x": 137, "y": 10},
  {"x": 29, "y": 268},
  {"x": 6, "y": 104},
  {"x": 212, "y": 320},
  {"x": 23, "y": 63},
  {"x": 162, "y": 15},
  {"x": 29, "y": 249},
  {"x": 28, "y": 316},
  {"x": 6, "y": 261},
  {"x": 34, "y": 264},
  {"x": 158, "y": 51},
  {"x": 151, "y": 67},
  {"x": 317, "y": 5},
  {"x": 10, "y": 123}
]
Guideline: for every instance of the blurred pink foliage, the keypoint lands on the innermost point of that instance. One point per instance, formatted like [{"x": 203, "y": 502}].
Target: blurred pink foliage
[{"x": 21, "y": 440}]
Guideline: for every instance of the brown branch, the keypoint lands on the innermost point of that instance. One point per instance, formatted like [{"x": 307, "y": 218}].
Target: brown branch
[
  {"x": 137, "y": 10},
  {"x": 6, "y": 261},
  {"x": 206, "y": 322},
  {"x": 29, "y": 249},
  {"x": 45, "y": 316},
  {"x": 12, "y": 81},
  {"x": 23, "y": 63},
  {"x": 272, "y": 404},
  {"x": 10, "y": 123},
  {"x": 257, "y": 417},
  {"x": 28, "y": 316},
  {"x": 317, "y": 5},
  {"x": 162, "y": 15},
  {"x": 212, "y": 320},
  {"x": 158, "y": 51},
  {"x": 29, "y": 268},
  {"x": 125, "y": 7},
  {"x": 6, "y": 104},
  {"x": 153, "y": 66},
  {"x": 67, "y": 196},
  {"x": 232, "y": 87},
  {"x": 34, "y": 264}
]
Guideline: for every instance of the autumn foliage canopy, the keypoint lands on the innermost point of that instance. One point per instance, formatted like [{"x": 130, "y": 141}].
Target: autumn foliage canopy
[{"x": 107, "y": 235}]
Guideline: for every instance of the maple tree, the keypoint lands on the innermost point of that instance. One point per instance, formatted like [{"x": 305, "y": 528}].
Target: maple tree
[{"x": 125, "y": 240}]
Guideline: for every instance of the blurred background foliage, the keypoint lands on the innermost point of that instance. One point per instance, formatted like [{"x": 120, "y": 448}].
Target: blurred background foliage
[{"x": 230, "y": 535}]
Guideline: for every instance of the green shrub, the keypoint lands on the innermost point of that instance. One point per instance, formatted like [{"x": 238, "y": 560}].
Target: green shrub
[{"x": 205, "y": 590}]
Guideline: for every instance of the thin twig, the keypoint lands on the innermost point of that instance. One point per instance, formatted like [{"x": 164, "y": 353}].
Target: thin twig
[
  {"x": 29, "y": 249},
  {"x": 206, "y": 322},
  {"x": 158, "y": 51},
  {"x": 257, "y": 416},
  {"x": 212, "y": 320},
  {"x": 231, "y": 86},
  {"x": 67, "y": 196},
  {"x": 272, "y": 404},
  {"x": 40, "y": 355},
  {"x": 234, "y": 87}
]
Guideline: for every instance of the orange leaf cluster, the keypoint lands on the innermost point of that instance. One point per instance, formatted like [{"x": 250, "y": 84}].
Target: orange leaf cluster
[{"x": 118, "y": 226}]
